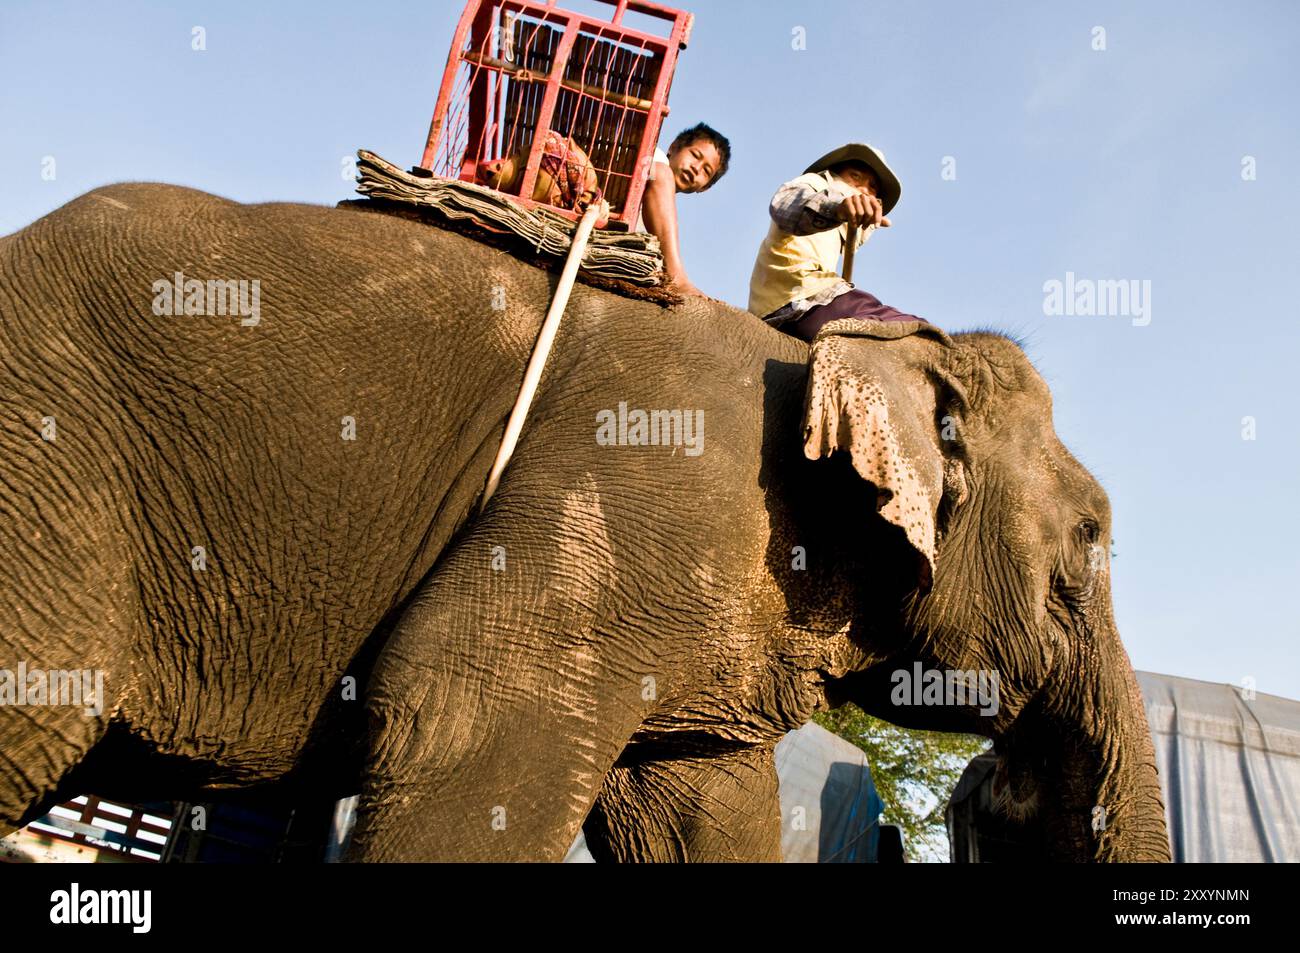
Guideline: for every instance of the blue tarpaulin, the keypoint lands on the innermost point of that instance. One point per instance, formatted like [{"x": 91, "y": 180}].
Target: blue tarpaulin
[{"x": 829, "y": 807}]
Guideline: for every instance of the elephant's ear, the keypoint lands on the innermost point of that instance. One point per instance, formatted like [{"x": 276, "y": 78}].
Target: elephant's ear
[{"x": 874, "y": 401}]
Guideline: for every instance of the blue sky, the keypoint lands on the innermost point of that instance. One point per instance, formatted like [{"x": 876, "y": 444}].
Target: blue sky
[{"x": 1122, "y": 163}]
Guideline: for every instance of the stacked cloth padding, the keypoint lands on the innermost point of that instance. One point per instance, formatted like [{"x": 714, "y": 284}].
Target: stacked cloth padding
[{"x": 632, "y": 257}]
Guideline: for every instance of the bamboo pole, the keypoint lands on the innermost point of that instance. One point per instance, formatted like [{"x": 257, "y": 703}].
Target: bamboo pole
[
  {"x": 537, "y": 362},
  {"x": 526, "y": 76}
]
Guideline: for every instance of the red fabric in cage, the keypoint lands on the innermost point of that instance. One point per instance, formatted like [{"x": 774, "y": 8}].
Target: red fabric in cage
[{"x": 566, "y": 178}]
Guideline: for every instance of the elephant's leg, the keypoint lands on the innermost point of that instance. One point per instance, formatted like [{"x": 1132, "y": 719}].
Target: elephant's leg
[
  {"x": 67, "y": 611},
  {"x": 725, "y": 808},
  {"x": 37, "y": 748},
  {"x": 497, "y": 704}
]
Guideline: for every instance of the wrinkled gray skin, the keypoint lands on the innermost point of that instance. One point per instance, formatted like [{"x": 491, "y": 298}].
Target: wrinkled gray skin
[{"x": 625, "y": 632}]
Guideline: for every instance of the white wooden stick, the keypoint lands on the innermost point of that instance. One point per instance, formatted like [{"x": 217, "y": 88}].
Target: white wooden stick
[
  {"x": 537, "y": 362},
  {"x": 850, "y": 247}
]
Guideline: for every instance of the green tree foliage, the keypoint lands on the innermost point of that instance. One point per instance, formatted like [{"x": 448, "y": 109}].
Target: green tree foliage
[{"x": 914, "y": 772}]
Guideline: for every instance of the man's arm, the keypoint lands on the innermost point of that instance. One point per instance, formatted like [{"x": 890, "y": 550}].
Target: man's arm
[
  {"x": 659, "y": 208},
  {"x": 800, "y": 209}
]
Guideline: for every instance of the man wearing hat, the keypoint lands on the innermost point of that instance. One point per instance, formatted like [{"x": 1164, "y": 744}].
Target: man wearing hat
[{"x": 795, "y": 285}]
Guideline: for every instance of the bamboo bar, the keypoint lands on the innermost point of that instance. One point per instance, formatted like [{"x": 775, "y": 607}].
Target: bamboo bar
[{"x": 515, "y": 72}]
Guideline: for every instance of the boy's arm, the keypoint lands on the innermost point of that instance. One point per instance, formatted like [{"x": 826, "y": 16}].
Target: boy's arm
[
  {"x": 800, "y": 209},
  {"x": 659, "y": 209}
]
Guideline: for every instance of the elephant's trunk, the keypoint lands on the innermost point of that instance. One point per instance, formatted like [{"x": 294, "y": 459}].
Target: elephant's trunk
[{"x": 1105, "y": 802}]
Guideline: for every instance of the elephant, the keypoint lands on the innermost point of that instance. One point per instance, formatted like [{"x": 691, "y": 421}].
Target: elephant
[{"x": 263, "y": 524}]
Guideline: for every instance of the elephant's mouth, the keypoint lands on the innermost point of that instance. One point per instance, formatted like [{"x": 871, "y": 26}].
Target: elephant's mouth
[
  {"x": 1022, "y": 768},
  {"x": 1081, "y": 796},
  {"x": 1015, "y": 792}
]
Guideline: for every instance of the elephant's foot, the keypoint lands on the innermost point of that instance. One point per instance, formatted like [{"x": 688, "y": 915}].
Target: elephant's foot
[
  {"x": 724, "y": 808},
  {"x": 487, "y": 819}
]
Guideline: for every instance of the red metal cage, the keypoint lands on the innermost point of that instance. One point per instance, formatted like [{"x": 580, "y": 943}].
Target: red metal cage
[{"x": 520, "y": 69}]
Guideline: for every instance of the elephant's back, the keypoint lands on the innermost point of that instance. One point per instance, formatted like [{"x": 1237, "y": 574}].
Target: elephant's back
[{"x": 288, "y": 316}]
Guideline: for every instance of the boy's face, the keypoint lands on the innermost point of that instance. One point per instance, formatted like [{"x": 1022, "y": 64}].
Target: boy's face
[
  {"x": 860, "y": 177},
  {"x": 694, "y": 165}
]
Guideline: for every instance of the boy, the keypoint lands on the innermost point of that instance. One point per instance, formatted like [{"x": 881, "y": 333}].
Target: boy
[
  {"x": 695, "y": 160},
  {"x": 795, "y": 286}
]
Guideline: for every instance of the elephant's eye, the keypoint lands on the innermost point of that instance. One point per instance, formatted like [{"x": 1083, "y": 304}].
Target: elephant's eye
[{"x": 1089, "y": 532}]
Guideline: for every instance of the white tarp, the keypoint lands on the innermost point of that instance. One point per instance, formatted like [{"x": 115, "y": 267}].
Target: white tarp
[{"x": 1229, "y": 769}]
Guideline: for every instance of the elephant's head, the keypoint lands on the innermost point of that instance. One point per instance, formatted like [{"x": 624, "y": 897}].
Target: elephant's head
[{"x": 1011, "y": 539}]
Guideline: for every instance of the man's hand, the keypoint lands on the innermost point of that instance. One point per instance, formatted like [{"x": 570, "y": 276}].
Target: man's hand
[{"x": 862, "y": 209}]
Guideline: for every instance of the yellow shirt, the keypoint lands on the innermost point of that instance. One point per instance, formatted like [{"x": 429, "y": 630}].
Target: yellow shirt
[{"x": 792, "y": 267}]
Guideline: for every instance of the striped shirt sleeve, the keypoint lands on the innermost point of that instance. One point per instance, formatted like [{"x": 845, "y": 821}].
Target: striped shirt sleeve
[{"x": 801, "y": 209}]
